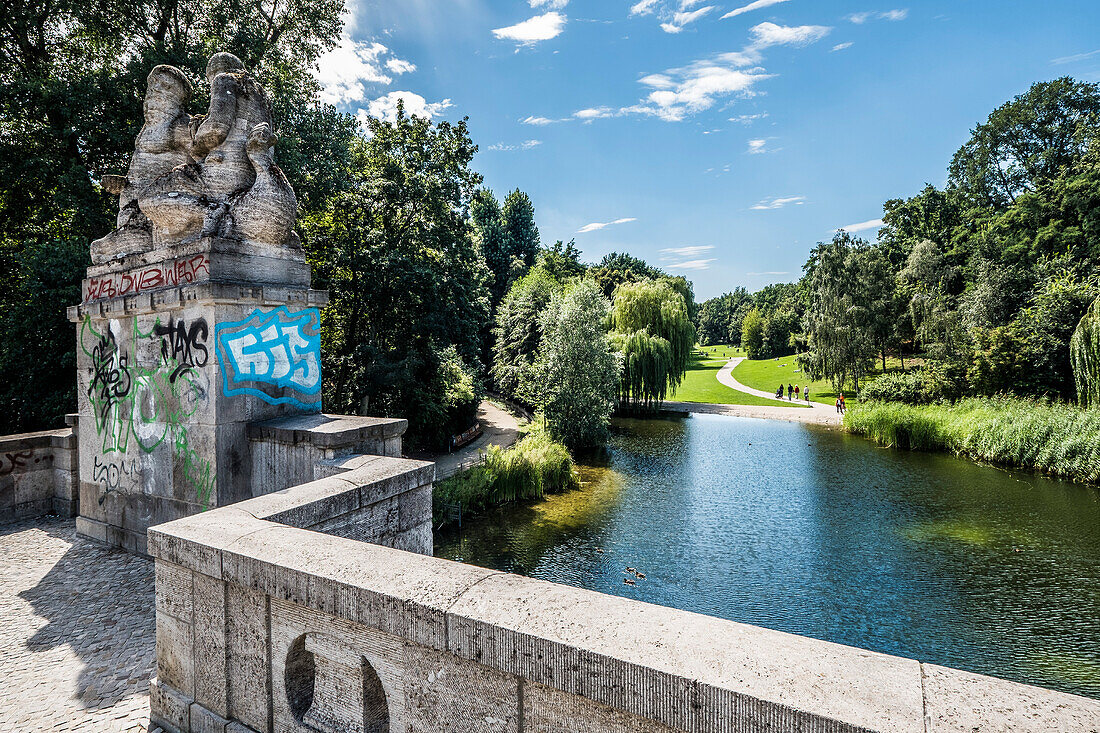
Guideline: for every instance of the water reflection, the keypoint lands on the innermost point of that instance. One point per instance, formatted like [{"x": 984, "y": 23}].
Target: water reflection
[{"x": 818, "y": 533}]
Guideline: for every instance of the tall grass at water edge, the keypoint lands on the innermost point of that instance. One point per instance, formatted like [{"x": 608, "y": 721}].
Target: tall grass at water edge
[
  {"x": 534, "y": 466},
  {"x": 1050, "y": 437}
]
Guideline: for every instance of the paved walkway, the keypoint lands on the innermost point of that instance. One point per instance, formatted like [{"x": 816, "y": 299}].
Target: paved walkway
[
  {"x": 499, "y": 427},
  {"x": 77, "y": 637},
  {"x": 812, "y": 412}
]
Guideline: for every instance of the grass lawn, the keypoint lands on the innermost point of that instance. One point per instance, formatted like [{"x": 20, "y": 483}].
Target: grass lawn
[
  {"x": 701, "y": 382},
  {"x": 767, "y": 374}
]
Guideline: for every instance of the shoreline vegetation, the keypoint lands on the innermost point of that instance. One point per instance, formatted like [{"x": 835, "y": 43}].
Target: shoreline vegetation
[
  {"x": 1052, "y": 438},
  {"x": 535, "y": 466}
]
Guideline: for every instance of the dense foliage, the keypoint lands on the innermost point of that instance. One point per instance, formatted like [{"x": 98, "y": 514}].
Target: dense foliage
[
  {"x": 775, "y": 326},
  {"x": 652, "y": 330},
  {"x": 72, "y": 76},
  {"x": 576, "y": 372},
  {"x": 986, "y": 279},
  {"x": 407, "y": 283},
  {"x": 535, "y": 466}
]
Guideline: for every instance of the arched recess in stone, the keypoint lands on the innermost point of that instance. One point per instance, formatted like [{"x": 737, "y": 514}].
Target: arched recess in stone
[{"x": 332, "y": 688}]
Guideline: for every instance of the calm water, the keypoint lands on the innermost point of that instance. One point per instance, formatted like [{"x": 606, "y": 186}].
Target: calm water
[{"x": 818, "y": 533}]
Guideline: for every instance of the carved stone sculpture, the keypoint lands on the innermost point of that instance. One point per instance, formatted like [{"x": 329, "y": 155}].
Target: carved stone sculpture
[
  {"x": 211, "y": 175},
  {"x": 163, "y": 144}
]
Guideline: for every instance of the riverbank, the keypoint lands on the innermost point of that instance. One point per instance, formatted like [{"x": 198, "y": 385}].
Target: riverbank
[
  {"x": 1051, "y": 438},
  {"x": 817, "y": 415}
]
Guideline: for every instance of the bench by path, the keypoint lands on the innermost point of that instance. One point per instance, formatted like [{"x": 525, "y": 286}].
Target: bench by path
[{"x": 499, "y": 428}]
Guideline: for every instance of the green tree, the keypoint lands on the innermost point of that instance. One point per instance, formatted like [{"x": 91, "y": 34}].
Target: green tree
[
  {"x": 520, "y": 232},
  {"x": 837, "y": 321},
  {"x": 1085, "y": 357},
  {"x": 618, "y": 268},
  {"x": 407, "y": 282},
  {"x": 516, "y": 332},
  {"x": 561, "y": 261},
  {"x": 72, "y": 76},
  {"x": 577, "y": 372},
  {"x": 1027, "y": 141},
  {"x": 487, "y": 224},
  {"x": 753, "y": 328},
  {"x": 652, "y": 330}
]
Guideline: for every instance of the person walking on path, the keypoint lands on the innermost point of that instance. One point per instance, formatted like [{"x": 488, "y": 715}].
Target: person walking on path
[
  {"x": 796, "y": 395},
  {"x": 838, "y": 405},
  {"x": 790, "y": 391},
  {"x": 779, "y": 393},
  {"x": 843, "y": 407},
  {"x": 806, "y": 393}
]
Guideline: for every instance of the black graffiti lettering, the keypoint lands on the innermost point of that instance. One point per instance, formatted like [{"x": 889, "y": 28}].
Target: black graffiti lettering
[
  {"x": 183, "y": 346},
  {"x": 110, "y": 375},
  {"x": 109, "y": 475},
  {"x": 11, "y": 461}
]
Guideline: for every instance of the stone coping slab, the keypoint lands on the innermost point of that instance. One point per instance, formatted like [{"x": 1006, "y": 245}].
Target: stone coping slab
[
  {"x": 687, "y": 671},
  {"x": 326, "y": 430},
  {"x": 60, "y": 438}
]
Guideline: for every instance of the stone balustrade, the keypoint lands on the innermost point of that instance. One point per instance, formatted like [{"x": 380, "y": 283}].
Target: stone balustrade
[
  {"x": 38, "y": 474},
  {"x": 266, "y": 623}
]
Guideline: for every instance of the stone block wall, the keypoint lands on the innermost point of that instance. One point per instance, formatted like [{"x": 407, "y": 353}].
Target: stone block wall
[
  {"x": 264, "y": 626},
  {"x": 38, "y": 474},
  {"x": 178, "y": 352}
]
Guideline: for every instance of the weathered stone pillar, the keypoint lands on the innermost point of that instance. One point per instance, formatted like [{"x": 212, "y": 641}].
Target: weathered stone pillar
[{"x": 178, "y": 350}]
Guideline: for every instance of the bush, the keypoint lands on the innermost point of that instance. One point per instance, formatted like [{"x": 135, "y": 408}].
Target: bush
[
  {"x": 1050, "y": 437},
  {"x": 535, "y": 466},
  {"x": 918, "y": 387}
]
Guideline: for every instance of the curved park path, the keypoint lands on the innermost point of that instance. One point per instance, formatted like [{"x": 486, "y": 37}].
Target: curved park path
[
  {"x": 499, "y": 427},
  {"x": 783, "y": 409}
]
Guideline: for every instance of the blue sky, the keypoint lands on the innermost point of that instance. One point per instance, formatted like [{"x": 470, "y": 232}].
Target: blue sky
[{"x": 719, "y": 140}]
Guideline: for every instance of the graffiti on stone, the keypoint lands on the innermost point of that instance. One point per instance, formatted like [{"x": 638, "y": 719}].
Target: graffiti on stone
[
  {"x": 183, "y": 345},
  {"x": 143, "y": 407},
  {"x": 11, "y": 462},
  {"x": 176, "y": 272},
  {"x": 114, "y": 475},
  {"x": 273, "y": 355}
]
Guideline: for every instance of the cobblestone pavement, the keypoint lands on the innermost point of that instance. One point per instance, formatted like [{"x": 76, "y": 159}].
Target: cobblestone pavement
[{"x": 77, "y": 637}]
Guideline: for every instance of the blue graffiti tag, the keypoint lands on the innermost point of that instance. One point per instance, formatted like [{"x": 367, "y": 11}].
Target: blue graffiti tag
[{"x": 274, "y": 349}]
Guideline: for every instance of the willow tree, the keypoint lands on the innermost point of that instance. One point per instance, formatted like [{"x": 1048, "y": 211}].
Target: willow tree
[
  {"x": 1084, "y": 354},
  {"x": 653, "y": 332}
]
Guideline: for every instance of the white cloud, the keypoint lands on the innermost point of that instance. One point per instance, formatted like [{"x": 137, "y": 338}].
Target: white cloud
[
  {"x": 679, "y": 92},
  {"x": 537, "y": 121},
  {"x": 385, "y": 106},
  {"x": 759, "y": 146},
  {"x": 680, "y": 253},
  {"x": 842, "y": 46},
  {"x": 748, "y": 119},
  {"x": 863, "y": 226},
  {"x": 594, "y": 113},
  {"x": 400, "y": 66},
  {"x": 601, "y": 224},
  {"x": 548, "y": 4},
  {"x": 778, "y": 202},
  {"x": 690, "y": 265},
  {"x": 770, "y": 34},
  {"x": 863, "y": 17},
  {"x": 643, "y": 7},
  {"x": 525, "y": 145},
  {"x": 752, "y": 6},
  {"x": 1074, "y": 57},
  {"x": 345, "y": 71},
  {"x": 539, "y": 28},
  {"x": 683, "y": 18}
]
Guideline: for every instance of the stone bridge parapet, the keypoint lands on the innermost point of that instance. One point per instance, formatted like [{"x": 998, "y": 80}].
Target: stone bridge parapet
[{"x": 266, "y": 624}]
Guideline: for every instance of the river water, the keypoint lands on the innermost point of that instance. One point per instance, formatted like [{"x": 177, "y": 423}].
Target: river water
[{"x": 815, "y": 532}]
